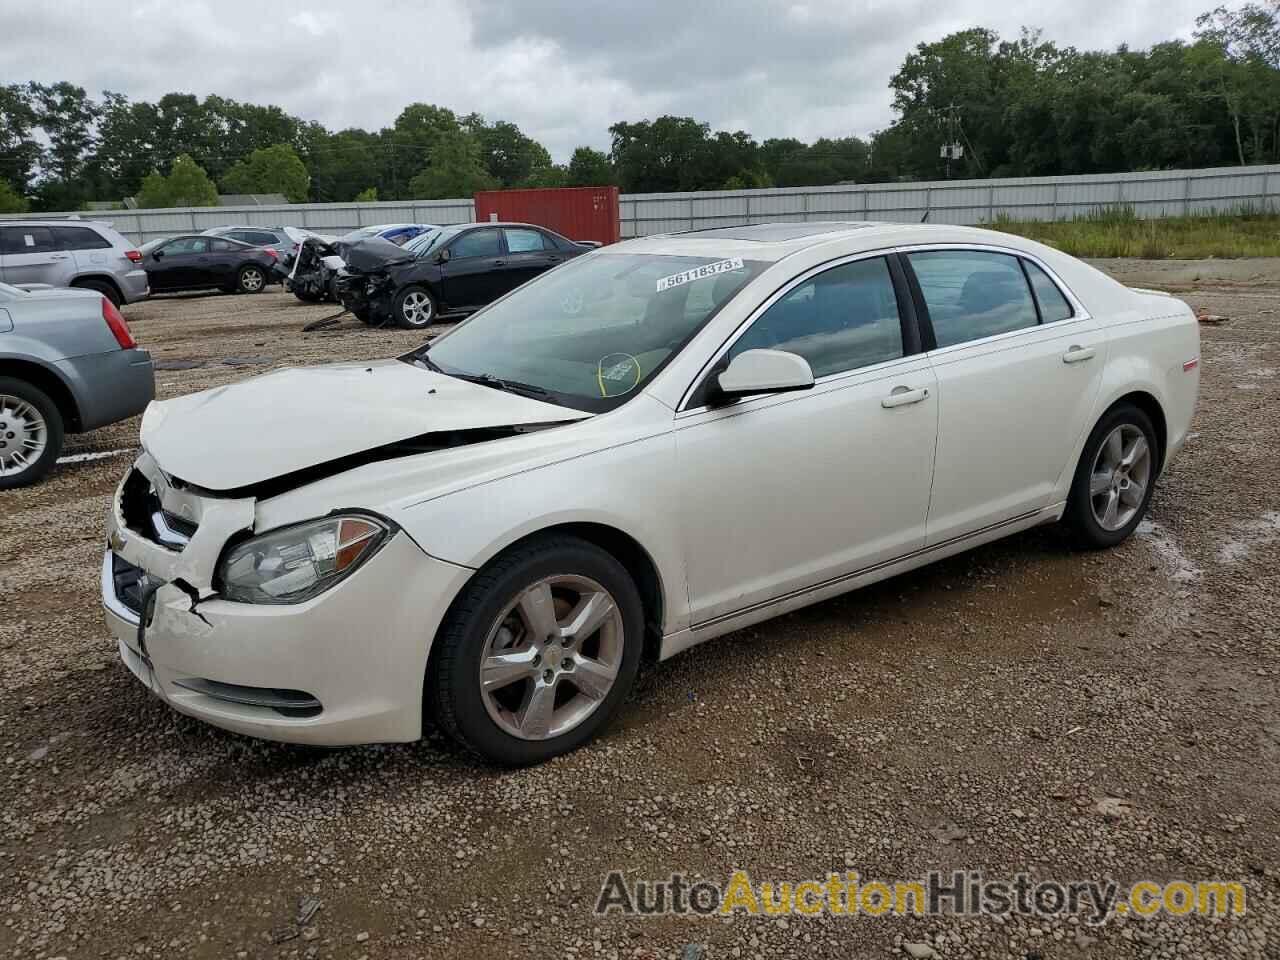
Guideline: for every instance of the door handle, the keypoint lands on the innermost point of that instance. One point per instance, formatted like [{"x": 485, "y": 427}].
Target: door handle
[
  {"x": 904, "y": 396},
  {"x": 59, "y": 256},
  {"x": 1078, "y": 354},
  {"x": 499, "y": 263}
]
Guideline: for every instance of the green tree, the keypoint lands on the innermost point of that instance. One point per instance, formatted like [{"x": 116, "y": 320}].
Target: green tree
[
  {"x": 19, "y": 149},
  {"x": 455, "y": 169},
  {"x": 589, "y": 168},
  {"x": 511, "y": 157},
  {"x": 187, "y": 185},
  {"x": 367, "y": 195},
  {"x": 274, "y": 169},
  {"x": 11, "y": 201}
]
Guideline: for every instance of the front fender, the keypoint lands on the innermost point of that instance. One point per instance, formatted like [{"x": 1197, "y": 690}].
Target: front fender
[{"x": 629, "y": 488}]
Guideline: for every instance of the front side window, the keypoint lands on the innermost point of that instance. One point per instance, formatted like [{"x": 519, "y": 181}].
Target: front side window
[
  {"x": 972, "y": 294},
  {"x": 186, "y": 245},
  {"x": 524, "y": 241},
  {"x": 841, "y": 319},
  {"x": 476, "y": 243},
  {"x": 592, "y": 332}
]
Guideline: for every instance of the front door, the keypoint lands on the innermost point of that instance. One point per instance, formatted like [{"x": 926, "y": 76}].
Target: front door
[
  {"x": 176, "y": 265},
  {"x": 783, "y": 492},
  {"x": 472, "y": 276},
  {"x": 529, "y": 253},
  {"x": 32, "y": 254},
  {"x": 1019, "y": 366}
]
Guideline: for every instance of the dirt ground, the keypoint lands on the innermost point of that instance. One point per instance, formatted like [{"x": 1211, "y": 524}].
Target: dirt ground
[{"x": 1020, "y": 708}]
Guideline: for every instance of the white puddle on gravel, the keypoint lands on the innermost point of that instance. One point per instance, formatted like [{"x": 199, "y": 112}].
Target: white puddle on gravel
[
  {"x": 1165, "y": 544},
  {"x": 97, "y": 455},
  {"x": 1249, "y": 535}
]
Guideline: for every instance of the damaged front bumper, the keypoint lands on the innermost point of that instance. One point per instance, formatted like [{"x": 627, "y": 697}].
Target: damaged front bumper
[
  {"x": 345, "y": 667},
  {"x": 367, "y": 294}
]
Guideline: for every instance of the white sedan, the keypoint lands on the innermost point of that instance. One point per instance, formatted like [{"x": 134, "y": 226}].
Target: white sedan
[{"x": 650, "y": 446}]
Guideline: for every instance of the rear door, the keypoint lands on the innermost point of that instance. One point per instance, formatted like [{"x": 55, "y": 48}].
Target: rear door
[
  {"x": 32, "y": 254},
  {"x": 223, "y": 259},
  {"x": 90, "y": 251},
  {"x": 1019, "y": 365},
  {"x": 473, "y": 272}
]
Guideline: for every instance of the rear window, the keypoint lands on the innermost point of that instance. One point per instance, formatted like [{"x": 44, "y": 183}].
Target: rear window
[{"x": 79, "y": 238}]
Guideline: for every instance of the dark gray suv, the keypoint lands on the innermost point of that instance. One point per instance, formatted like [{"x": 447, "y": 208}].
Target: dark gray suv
[{"x": 72, "y": 253}]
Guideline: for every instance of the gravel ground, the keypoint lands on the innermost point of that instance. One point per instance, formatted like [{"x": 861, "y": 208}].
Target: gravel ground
[{"x": 1019, "y": 708}]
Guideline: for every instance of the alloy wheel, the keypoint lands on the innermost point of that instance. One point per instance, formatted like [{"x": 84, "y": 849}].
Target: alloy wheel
[
  {"x": 551, "y": 657},
  {"x": 251, "y": 280},
  {"x": 23, "y": 435},
  {"x": 1120, "y": 476},
  {"x": 417, "y": 308}
]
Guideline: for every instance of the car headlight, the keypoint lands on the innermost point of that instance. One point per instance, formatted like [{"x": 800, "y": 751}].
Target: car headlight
[{"x": 297, "y": 563}]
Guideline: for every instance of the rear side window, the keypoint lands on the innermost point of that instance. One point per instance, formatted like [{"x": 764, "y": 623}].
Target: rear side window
[
  {"x": 219, "y": 245},
  {"x": 1053, "y": 305},
  {"x": 258, "y": 238},
  {"x": 972, "y": 294},
  {"x": 524, "y": 241},
  {"x": 477, "y": 243},
  {"x": 79, "y": 238},
  {"x": 842, "y": 319},
  {"x": 20, "y": 240}
]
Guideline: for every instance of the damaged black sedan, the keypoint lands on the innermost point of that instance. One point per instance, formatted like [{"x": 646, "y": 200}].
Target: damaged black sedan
[{"x": 448, "y": 272}]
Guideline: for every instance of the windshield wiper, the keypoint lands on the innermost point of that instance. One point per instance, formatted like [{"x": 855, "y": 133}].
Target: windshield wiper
[{"x": 509, "y": 386}]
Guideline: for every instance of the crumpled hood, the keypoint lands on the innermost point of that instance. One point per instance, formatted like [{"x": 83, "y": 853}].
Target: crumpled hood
[
  {"x": 373, "y": 254},
  {"x": 235, "y": 436}
]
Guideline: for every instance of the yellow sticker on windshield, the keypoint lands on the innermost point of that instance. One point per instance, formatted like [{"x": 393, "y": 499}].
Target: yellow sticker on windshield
[{"x": 698, "y": 273}]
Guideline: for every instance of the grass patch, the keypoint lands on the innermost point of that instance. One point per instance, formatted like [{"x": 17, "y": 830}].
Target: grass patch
[{"x": 1118, "y": 232}]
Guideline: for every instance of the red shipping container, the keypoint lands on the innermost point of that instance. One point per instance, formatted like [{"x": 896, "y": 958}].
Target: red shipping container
[{"x": 579, "y": 213}]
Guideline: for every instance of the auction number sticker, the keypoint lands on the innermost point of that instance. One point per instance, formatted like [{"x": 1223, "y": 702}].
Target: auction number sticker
[{"x": 698, "y": 273}]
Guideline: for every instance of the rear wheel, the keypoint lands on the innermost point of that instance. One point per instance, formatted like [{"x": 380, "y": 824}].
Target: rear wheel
[
  {"x": 414, "y": 308},
  {"x": 307, "y": 296},
  {"x": 108, "y": 290},
  {"x": 30, "y": 433},
  {"x": 251, "y": 279},
  {"x": 1114, "y": 479},
  {"x": 538, "y": 652}
]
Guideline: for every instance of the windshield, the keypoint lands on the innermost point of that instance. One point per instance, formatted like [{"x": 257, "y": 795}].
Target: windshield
[{"x": 592, "y": 332}]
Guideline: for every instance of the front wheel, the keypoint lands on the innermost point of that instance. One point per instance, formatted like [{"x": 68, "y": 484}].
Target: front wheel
[
  {"x": 414, "y": 308},
  {"x": 30, "y": 433},
  {"x": 538, "y": 652},
  {"x": 251, "y": 279},
  {"x": 1114, "y": 479}
]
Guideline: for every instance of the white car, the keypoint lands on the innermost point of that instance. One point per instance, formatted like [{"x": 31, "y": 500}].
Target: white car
[{"x": 652, "y": 445}]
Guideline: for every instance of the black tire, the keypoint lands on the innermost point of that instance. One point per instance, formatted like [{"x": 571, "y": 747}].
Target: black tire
[
  {"x": 103, "y": 287},
  {"x": 415, "y": 319},
  {"x": 48, "y": 410},
  {"x": 452, "y": 689},
  {"x": 245, "y": 275},
  {"x": 307, "y": 296},
  {"x": 364, "y": 315},
  {"x": 1080, "y": 514}
]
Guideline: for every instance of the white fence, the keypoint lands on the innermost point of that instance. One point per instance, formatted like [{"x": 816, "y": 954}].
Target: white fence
[{"x": 1150, "y": 194}]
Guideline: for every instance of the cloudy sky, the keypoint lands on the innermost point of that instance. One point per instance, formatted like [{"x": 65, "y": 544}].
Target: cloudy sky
[{"x": 563, "y": 70}]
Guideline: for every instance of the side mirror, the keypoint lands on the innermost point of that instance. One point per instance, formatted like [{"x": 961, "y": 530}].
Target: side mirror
[
  {"x": 763, "y": 371},
  {"x": 157, "y": 254},
  {"x": 443, "y": 256}
]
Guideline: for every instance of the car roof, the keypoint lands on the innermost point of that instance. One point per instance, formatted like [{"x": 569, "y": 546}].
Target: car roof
[{"x": 773, "y": 241}]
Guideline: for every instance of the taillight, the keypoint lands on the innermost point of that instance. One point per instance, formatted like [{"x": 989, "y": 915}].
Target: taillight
[
  {"x": 119, "y": 329},
  {"x": 134, "y": 255},
  {"x": 271, "y": 251}
]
